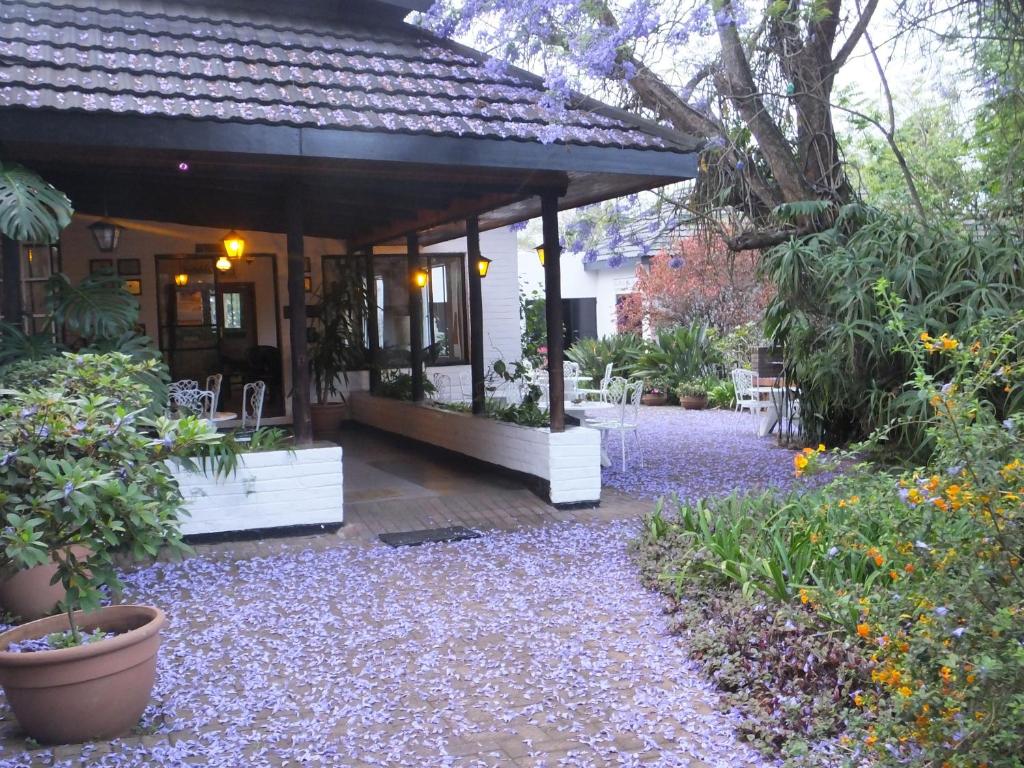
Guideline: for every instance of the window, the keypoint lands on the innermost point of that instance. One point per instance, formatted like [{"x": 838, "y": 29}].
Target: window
[
  {"x": 38, "y": 264},
  {"x": 232, "y": 311},
  {"x": 443, "y": 321}
]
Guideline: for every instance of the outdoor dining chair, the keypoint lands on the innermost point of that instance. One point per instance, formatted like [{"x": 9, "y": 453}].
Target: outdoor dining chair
[
  {"x": 197, "y": 402},
  {"x": 442, "y": 388},
  {"x": 627, "y": 418},
  {"x": 253, "y": 395},
  {"x": 213, "y": 382},
  {"x": 179, "y": 386},
  {"x": 601, "y": 388}
]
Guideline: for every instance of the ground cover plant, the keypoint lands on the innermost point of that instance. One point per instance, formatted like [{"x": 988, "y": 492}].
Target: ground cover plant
[{"x": 875, "y": 620}]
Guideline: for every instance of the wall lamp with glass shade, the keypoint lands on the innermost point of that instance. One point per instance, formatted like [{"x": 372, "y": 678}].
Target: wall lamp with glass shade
[
  {"x": 540, "y": 253},
  {"x": 106, "y": 234},
  {"x": 482, "y": 265},
  {"x": 223, "y": 263},
  {"x": 234, "y": 245},
  {"x": 181, "y": 279},
  {"x": 420, "y": 278}
]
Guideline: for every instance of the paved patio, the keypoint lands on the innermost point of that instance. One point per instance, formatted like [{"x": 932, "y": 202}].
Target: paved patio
[{"x": 535, "y": 645}]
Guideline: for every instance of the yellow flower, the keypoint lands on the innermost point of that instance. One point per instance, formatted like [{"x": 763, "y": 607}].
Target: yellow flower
[
  {"x": 948, "y": 343},
  {"x": 804, "y": 597},
  {"x": 946, "y": 674},
  {"x": 904, "y": 691},
  {"x": 858, "y": 700},
  {"x": 925, "y": 336},
  {"x": 870, "y": 740},
  {"x": 821, "y": 447}
]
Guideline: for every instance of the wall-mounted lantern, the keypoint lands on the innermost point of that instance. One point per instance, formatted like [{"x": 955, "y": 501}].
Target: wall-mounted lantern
[
  {"x": 540, "y": 253},
  {"x": 420, "y": 278},
  {"x": 181, "y": 279},
  {"x": 106, "y": 234},
  {"x": 234, "y": 245},
  {"x": 223, "y": 263},
  {"x": 482, "y": 265}
]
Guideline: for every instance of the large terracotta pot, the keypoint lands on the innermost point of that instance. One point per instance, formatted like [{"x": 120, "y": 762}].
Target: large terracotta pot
[
  {"x": 29, "y": 594},
  {"x": 652, "y": 399},
  {"x": 326, "y": 419},
  {"x": 694, "y": 403},
  {"x": 93, "y": 691}
]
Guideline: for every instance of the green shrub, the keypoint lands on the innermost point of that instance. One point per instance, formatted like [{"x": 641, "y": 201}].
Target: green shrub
[
  {"x": 679, "y": 354},
  {"x": 81, "y": 464},
  {"x": 722, "y": 394},
  {"x": 838, "y": 347},
  {"x": 915, "y": 574},
  {"x": 622, "y": 350}
]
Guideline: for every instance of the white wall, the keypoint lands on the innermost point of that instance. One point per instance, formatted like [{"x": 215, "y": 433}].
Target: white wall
[{"x": 577, "y": 283}]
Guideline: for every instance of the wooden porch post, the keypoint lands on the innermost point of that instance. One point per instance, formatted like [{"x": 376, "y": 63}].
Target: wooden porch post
[
  {"x": 415, "y": 317},
  {"x": 372, "y": 337},
  {"x": 553, "y": 309},
  {"x": 12, "y": 282},
  {"x": 476, "y": 315},
  {"x": 297, "y": 325}
]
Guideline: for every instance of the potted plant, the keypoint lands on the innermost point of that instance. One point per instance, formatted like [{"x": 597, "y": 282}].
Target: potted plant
[
  {"x": 335, "y": 347},
  {"x": 655, "y": 392},
  {"x": 693, "y": 395},
  {"x": 83, "y": 474}
]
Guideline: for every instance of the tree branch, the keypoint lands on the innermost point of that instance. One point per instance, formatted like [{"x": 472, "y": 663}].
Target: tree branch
[{"x": 855, "y": 35}]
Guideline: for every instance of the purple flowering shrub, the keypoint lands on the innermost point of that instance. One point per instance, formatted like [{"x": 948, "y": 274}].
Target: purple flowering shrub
[
  {"x": 81, "y": 465},
  {"x": 899, "y": 593}
]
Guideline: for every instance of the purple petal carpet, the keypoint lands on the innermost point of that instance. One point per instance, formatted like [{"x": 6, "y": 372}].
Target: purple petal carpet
[
  {"x": 696, "y": 454},
  {"x": 538, "y": 647}
]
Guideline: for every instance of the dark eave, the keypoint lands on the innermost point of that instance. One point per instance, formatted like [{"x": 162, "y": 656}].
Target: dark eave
[{"x": 186, "y": 135}]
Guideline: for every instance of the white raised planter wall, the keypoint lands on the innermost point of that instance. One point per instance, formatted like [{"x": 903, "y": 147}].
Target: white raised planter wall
[
  {"x": 271, "y": 489},
  {"x": 569, "y": 461}
]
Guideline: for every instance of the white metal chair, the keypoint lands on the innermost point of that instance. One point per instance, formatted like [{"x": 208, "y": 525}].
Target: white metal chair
[
  {"x": 628, "y": 415},
  {"x": 747, "y": 398},
  {"x": 442, "y": 388},
  {"x": 570, "y": 375},
  {"x": 197, "y": 402},
  {"x": 253, "y": 395},
  {"x": 601, "y": 388},
  {"x": 213, "y": 385},
  {"x": 613, "y": 390},
  {"x": 179, "y": 386}
]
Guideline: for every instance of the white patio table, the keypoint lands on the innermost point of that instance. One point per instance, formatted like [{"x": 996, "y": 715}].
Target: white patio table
[
  {"x": 579, "y": 411},
  {"x": 770, "y": 413}
]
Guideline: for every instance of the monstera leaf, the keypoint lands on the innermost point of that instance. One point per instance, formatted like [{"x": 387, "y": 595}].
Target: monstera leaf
[
  {"x": 31, "y": 210},
  {"x": 97, "y": 308}
]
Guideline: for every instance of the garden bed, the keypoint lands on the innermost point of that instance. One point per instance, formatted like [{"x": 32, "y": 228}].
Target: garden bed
[
  {"x": 568, "y": 463},
  {"x": 271, "y": 489}
]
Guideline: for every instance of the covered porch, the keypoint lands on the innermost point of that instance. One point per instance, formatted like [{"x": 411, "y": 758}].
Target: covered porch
[{"x": 329, "y": 131}]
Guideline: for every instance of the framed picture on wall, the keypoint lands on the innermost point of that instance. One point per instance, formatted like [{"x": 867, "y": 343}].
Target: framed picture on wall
[
  {"x": 101, "y": 266},
  {"x": 134, "y": 287},
  {"x": 129, "y": 267},
  {"x": 307, "y": 282}
]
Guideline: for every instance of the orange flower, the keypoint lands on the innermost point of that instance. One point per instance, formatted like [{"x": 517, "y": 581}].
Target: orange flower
[
  {"x": 946, "y": 674},
  {"x": 908, "y": 568},
  {"x": 904, "y": 691},
  {"x": 864, "y": 630},
  {"x": 858, "y": 700},
  {"x": 894, "y": 575}
]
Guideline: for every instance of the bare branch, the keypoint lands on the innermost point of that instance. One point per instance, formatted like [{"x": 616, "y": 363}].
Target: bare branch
[{"x": 855, "y": 35}]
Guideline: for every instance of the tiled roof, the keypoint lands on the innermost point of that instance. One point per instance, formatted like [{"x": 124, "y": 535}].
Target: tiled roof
[{"x": 198, "y": 60}]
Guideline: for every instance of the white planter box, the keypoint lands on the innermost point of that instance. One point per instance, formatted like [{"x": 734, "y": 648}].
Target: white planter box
[
  {"x": 268, "y": 490},
  {"x": 569, "y": 462}
]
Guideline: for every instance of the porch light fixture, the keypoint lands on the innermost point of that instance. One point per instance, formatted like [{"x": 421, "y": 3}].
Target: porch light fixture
[
  {"x": 482, "y": 265},
  {"x": 181, "y": 279},
  {"x": 420, "y": 278},
  {"x": 234, "y": 245},
  {"x": 540, "y": 253},
  {"x": 106, "y": 234},
  {"x": 223, "y": 263}
]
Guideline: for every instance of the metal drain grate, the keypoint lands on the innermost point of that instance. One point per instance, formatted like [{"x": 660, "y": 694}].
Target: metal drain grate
[{"x": 431, "y": 535}]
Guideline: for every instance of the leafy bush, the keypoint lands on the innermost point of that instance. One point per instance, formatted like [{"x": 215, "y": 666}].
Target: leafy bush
[
  {"x": 913, "y": 577},
  {"x": 679, "y": 354},
  {"x": 838, "y": 348},
  {"x": 80, "y": 464},
  {"x": 397, "y": 384},
  {"x": 622, "y": 350},
  {"x": 691, "y": 388},
  {"x": 722, "y": 394}
]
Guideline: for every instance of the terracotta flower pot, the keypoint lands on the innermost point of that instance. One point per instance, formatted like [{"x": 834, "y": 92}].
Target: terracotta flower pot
[
  {"x": 694, "y": 403},
  {"x": 652, "y": 399},
  {"x": 29, "y": 594},
  {"x": 326, "y": 419},
  {"x": 93, "y": 691}
]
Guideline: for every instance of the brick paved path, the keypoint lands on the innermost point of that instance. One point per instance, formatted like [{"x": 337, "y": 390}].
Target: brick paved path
[{"x": 529, "y": 648}]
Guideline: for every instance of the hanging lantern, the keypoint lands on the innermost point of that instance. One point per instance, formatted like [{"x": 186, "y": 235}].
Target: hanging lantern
[
  {"x": 234, "y": 245},
  {"x": 540, "y": 253},
  {"x": 106, "y": 234},
  {"x": 482, "y": 265},
  {"x": 181, "y": 279},
  {"x": 420, "y": 278},
  {"x": 223, "y": 263}
]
